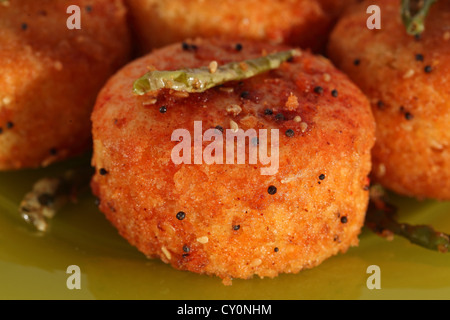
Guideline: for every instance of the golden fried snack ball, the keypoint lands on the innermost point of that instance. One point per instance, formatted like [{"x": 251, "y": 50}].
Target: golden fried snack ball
[
  {"x": 303, "y": 23},
  {"x": 231, "y": 220},
  {"x": 50, "y": 76},
  {"x": 407, "y": 80}
]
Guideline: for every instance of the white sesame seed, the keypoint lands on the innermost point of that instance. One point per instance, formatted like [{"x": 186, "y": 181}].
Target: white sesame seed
[
  {"x": 226, "y": 89},
  {"x": 213, "y": 66},
  {"x": 203, "y": 240},
  {"x": 381, "y": 170},
  {"x": 303, "y": 126},
  {"x": 436, "y": 145},
  {"x": 446, "y": 36},
  {"x": 58, "y": 65},
  {"x": 6, "y": 100},
  {"x": 234, "y": 109},
  {"x": 149, "y": 102},
  {"x": 180, "y": 94},
  {"x": 256, "y": 262},
  {"x": 166, "y": 253},
  {"x": 234, "y": 126},
  {"x": 298, "y": 119},
  {"x": 326, "y": 77},
  {"x": 408, "y": 74}
]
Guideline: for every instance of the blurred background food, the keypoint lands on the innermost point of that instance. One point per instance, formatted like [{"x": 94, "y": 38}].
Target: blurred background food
[
  {"x": 303, "y": 23},
  {"x": 407, "y": 81},
  {"x": 50, "y": 76}
]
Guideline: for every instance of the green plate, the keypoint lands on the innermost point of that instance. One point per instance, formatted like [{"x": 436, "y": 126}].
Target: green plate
[{"x": 33, "y": 265}]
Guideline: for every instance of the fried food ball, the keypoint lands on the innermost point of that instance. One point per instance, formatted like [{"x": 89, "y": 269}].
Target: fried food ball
[
  {"x": 50, "y": 76},
  {"x": 406, "y": 79},
  {"x": 304, "y": 23},
  {"x": 233, "y": 220}
]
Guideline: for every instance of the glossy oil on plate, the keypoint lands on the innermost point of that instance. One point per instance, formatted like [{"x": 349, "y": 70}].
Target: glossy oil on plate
[{"x": 34, "y": 265}]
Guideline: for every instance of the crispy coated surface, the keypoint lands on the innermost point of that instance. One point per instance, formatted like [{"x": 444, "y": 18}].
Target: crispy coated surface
[
  {"x": 321, "y": 197},
  {"x": 50, "y": 76},
  {"x": 411, "y": 106},
  {"x": 304, "y": 23}
]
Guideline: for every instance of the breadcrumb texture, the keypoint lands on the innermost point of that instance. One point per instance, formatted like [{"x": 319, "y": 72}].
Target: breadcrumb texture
[
  {"x": 298, "y": 227},
  {"x": 303, "y": 23},
  {"x": 50, "y": 76},
  {"x": 411, "y": 106}
]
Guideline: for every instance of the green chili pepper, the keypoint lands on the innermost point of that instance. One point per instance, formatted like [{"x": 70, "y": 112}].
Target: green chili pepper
[
  {"x": 414, "y": 15},
  {"x": 204, "y": 78},
  {"x": 380, "y": 218}
]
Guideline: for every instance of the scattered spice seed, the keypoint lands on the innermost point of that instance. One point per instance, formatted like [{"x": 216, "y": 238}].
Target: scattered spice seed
[
  {"x": 290, "y": 133},
  {"x": 219, "y": 128},
  {"x": 280, "y": 117},
  {"x": 419, "y": 57},
  {"x": 186, "y": 249},
  {"x": 245, "y": 95},
  {"x": 163, "y": 109},
  {"x": 238, "y": 47},
  {"x": 318, "y": 90},
  {"x": 185, "y": 255},
  {"x": 322, "y": 177},
  {"x": 356, "y": 62},
  {"x": 189, "y": 47},
  {"x": 268, "y": 112},
  {"x": 103, "y": 172},
  {"x": 272, "y": 190},
  {"x": 53, "y": 151},
  {"x": 344, "y": 219},
  {"x": 236, "y": 227},
  {"x": 181, "y": 215},
  {"x": 88, "y": 8},
  {"x": 9, "y": 125},
  {"x": 380, "y": 104},
  {"x": 408, "y": 116},
  {"x": 335, "y": 93},
  {"x": 24, "y": 26},
  {"x": 428, "y": 69},
  {"x": 276, "y": 249}
]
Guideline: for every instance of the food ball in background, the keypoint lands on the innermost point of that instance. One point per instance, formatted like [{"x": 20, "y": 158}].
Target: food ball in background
[
  {"x": 303, "y": 23},
  {"x": 230, "y": 220},
  {"x": 50, "y": 76},
  {"x": 407, "y": 80}
]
